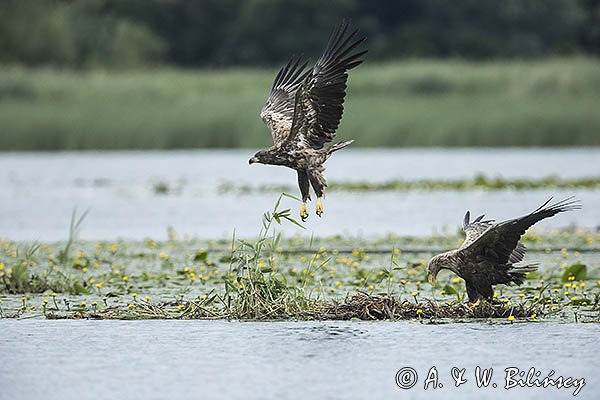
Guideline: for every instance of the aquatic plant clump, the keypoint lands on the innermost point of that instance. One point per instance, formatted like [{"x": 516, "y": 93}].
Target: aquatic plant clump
[
  {"x": 360, "y": 306},
  {"x": 478, "y": 182},
  {"x": 303, "y": 278}
]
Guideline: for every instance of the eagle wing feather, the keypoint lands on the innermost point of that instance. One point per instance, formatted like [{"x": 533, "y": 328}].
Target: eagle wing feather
[
  {"x": 319, "y": 102},
  {"x": 500, "y": 242},
  {"x": 278, "y": 111}
]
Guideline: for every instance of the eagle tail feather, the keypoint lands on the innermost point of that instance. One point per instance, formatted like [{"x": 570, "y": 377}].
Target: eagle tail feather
[
  {"x": 517, "y": 272},
  {"x": 339, "y": 146}
]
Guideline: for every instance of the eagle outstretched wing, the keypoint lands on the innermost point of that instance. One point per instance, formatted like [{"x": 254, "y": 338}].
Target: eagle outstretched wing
[
  {"x": 278, "y": 112},
  {"x": 499, "y": 243},
  {"x": 474, "y": 229},
  {"x": 319, "y": 101}
]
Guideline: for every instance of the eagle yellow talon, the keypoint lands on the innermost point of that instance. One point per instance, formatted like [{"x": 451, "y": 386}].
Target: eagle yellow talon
[
  {"x": 319, "y": 207},
  {"x": 473, "y": 305},
  {"x": 303, "y": 212}
]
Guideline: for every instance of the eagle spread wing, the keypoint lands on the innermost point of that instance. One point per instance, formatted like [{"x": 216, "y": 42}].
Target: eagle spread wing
[
  {"x": 319, "y": 101},
  {"x": 474, "y": 229},
  {"x": 500, "y": 242},
  {"x": 278, "y": 112}
]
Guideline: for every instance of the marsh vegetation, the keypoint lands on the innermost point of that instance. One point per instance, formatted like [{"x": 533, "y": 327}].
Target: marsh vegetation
[
  {"x": 274, "y": 278},
  {"x": 408, "y": 103}
]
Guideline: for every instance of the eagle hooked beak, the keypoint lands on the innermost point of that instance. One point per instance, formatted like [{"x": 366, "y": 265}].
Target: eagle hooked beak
[
  {"x": 432, "y": 272},
  {"x": 253, "y": 160},
  {"x": 431, "y": 278}
]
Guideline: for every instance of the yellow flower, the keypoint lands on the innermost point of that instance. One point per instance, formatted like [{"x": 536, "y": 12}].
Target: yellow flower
[
  {"x": 521, "y": 295},
  {"x": 45, "y": 301},
  {"x": 92, "y": 280},
  {"x": 533, "y": 316},
  {"x": 419, "y": 311},
  {"x": 456, "y": 280},
  {"x": 99, "y": 285},
  {"x": 571, "y": 278},
  {"x": 134, "y": 295},
  {"x": 511, "y": 318},
  {"x": 338, "y": 284},
  {"x": 125, "y": 278},
  {"x": 371, "y": 287},
  {"x": 180, "y": 307},
  {"x": 203, "y": 297},
  {"x": 574, "y": 298},
  {"x": 53, "y": 294},
  {"x": 414, "y": 294},
  {"x": 94, "y": 303},
  {"x": 82, "y": 304},
  {"x": 1, "y": 266},
  {"x": 163, "y": 255},
  {"x": 131, "y": 305}
]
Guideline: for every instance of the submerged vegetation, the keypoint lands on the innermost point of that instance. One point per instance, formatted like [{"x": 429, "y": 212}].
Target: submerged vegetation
[
  {"x": 477, "y": 182},
  {"x": 272, "y": 278},
  {"x": 408, "y": 103}
]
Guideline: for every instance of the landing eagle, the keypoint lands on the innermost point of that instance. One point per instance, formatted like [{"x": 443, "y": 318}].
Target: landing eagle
[
  {"x": 491, "y": 251},
  {"x": 303, "y": 112}
]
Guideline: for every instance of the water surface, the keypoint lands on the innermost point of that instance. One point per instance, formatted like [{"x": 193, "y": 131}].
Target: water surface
[
  {"x": 279, "y": 360},
  {"x": 40, "y": 190}
]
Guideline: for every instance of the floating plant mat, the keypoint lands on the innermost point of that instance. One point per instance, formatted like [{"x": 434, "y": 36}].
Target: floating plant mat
[
  {"x": 360, "y": 306},
  {"x": 478, "y": 182},
  {"x": 272, "y": 278}
]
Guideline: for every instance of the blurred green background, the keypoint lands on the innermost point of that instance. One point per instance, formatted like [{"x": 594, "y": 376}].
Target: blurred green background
[{"x": 162, "y": 74}]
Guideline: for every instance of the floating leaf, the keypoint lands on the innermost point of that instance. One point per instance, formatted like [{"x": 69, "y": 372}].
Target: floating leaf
[
  {"x": 449, "y": 290},
  {"x": 577, "y": 271},
  {"x": 201, "y": 255},
  {"x": 79, "y": 289}
]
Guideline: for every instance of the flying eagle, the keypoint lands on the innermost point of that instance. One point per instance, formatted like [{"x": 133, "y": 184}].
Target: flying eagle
[
  {"x": 491, "y": 251},
  {"x": 303, "y": 112}
]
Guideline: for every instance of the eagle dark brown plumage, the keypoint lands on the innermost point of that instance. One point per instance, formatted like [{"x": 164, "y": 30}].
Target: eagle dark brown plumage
[
  {"x": 491, "y": 251},
  {"x": 304, "y": 110}
]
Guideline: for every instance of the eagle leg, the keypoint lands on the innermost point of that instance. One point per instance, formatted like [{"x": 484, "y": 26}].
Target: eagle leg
[
  {"x": 318, "y": 183},
  {"x": 319, "y": 207},
  {"x": 304, "y": 185},
  {"x": 303, "y": 212}
]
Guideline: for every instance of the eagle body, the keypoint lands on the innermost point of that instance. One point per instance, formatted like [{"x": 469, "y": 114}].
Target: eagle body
[
  {"x": 304, "y": 110},
  {"x": 491, "y": 252}
]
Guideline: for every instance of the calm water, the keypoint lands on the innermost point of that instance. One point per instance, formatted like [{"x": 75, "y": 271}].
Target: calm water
[
  {"x": 301, "y": 360},
  {"x": 40, "y": 190}
]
